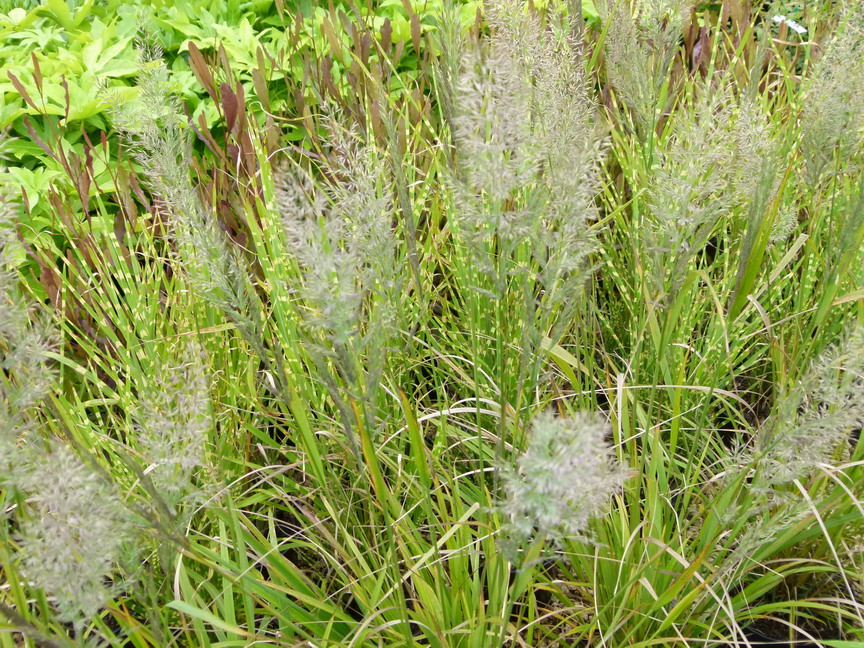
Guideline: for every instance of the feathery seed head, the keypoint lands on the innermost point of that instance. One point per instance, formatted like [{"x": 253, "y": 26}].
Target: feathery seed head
[
  {"x": 833, "y": 116},
  {"x": 72, "y": 528},
  {"x": 640, "y": 48},
  {"x": 161, "y": 145},
  {"x": 316, "y": 239},
  {"x": 720, "y": 159},
  {"x": 816, "y": 418},
  {"x": 340, "y": 233},
  {"x": 174, "y": 420},
  {"x": 527, "y": 143},
  {"x": 563, "y": 479},
  {"x": 26, "y": 375},
  {"x": 448, "y": 36},
  {"x": 359, "y": 194},
  {"x": 74, "y": 536},
  {"x": 688, "y": 193},
  {"x": 493, "y": 133}
]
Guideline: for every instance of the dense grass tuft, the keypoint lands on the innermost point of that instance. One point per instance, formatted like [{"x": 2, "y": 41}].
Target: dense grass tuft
[{"x": 546, "y": 333}]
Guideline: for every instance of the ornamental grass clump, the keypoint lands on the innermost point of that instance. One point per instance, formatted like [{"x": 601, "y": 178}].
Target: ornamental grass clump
[{"x": 408, "y": 293}]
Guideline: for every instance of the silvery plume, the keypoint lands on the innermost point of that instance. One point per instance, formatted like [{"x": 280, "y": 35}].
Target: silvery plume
[
  {"x": 640, "y": 48},
  {"x": 720, "y": 159},
  {"x": 753, "y": 144},
  {"x": 497, "y": 155},
  {"x": 360, "y": 196},
  {"x": 813, "y": 422},
  {"x": 527, "y": 143},
  {"x": 492, "y": 127},
  {"x": 338, "y": 222},
  {"x": 173, "y": 420},
  {"x": 340, "y": 232},
  {"x": 832, "y": 120},
  {"x": 492, "y": 133},
  {"x": 161, "y": 146},
  {"x": 689, "y": 188},
  {"x": 565, "y": 137},
  {"x": 25, "y": 341},
  {"x": 451, "y": 44},
  {"x": 756, "y": 171},
  {"x": 314, "y": 240},
  {"x": 73, "y": 533},
  {"x": 564, "y": 478}
]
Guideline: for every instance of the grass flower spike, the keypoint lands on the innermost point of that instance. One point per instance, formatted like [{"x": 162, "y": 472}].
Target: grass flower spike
[
  {"x": 74, "y": 535},
  {"x": 565, "y": 477},
  {"x": 173, "y": 419},
  {"x": 833, "y": 115},
  {"x": 158, "y": 130},
  {"x": 26, "y": 376},
  {"x": 815, "y": 420}
]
